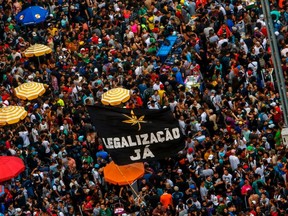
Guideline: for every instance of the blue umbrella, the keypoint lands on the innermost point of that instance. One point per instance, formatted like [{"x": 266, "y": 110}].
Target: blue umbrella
[{"x": 32, "y": 15}]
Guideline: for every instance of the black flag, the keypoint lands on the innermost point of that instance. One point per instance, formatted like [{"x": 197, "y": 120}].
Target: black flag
[{"x": 134, "y": 135}]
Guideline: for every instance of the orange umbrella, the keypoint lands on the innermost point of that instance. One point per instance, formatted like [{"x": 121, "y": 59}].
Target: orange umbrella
[{"x": 123, "y": 175}]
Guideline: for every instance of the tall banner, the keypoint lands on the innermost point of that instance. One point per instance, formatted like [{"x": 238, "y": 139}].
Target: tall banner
[{"x": 135, "y": 135}]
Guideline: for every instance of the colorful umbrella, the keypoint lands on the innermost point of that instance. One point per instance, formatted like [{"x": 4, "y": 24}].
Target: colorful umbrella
[
  {"x": 37, "y": 50},
  {"x": 2, "y": 190},
  {"x": 30, "y": 90},
  {"x": 32, "y": 15},
  {"x": 12, "y": 115},
  {"x": 115, "y": 96},
  {"x": 10, "y": 167},
  {"x": 123, "y": 175}
]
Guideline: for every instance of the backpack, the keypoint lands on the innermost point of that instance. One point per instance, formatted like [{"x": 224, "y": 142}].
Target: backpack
[{"x": 210, "y": 104}]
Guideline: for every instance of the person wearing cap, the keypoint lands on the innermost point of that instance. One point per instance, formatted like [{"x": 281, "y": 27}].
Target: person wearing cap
[
  {"x": 189, "y": 155},
  {"x": 96, "y": 175},
  {"x": 102, "y": 154},
  {"x": 18, "y": 212},
  {"x": 261, "y": 20}
]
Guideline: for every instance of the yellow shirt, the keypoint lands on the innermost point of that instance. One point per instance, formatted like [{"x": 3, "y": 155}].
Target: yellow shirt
[
  {"x": 161, "y": 93},
  {"x": 150, "y": 22},
  {"x": 61, "y": 102},
  {"x": 52, "y": 31}
]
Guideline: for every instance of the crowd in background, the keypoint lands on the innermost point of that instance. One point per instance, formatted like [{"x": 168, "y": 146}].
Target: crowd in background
[{"x": 234, "y": 161}]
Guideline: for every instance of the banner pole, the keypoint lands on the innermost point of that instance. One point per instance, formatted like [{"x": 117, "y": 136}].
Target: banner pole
[
  {"x": 127, "y": 181},
  {"x": 80, "y": 210}
]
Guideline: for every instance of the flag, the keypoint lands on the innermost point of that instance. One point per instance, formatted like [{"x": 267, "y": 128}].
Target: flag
[{"x": 135, "y": 135}]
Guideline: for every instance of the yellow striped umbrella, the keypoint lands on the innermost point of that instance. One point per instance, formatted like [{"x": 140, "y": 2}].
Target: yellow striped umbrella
[
  {"x": 37, "y": 50},
  {"x": 30, "y": 90},
  {"x": 115, "y": 96},
  {"x": 12, "y": 114}
]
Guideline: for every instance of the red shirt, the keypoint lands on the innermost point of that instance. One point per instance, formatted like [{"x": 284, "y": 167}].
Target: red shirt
[
  {"x": 95, "y": 39},
  {"x": 139, "y": 102},
  {"x": 5, "y": 96},
  {"x": 8, "y": 144},
  {"x": 245, "y": 189}
]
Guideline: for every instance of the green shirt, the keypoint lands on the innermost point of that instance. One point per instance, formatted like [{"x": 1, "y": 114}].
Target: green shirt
[
  {"x": 105, "y": 212},
  {"x": 277, "y": 137},
  {"x": 87, "y": 159},
  {"x": 142, "y": 11}
]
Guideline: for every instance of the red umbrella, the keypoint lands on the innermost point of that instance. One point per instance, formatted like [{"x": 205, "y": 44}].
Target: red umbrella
[{"x": 10, "y": 167}]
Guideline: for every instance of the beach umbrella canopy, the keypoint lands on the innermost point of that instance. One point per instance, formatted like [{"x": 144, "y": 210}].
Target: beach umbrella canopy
[
  {"x": 10, "y": 167},
  {"x": 123, "y": 175},
  {"x": 12, "y": 115},
  {"x": 30, "y": 90},
  {"x": 37, "y": 50},
  {"x": 115, "y": 96},
  {"x": 32, "y": 15}
]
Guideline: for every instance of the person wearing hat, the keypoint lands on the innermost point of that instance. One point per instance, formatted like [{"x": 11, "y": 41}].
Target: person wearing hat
[
  {"x": 261, "y": 20},
  {"x": 177, "y": 195},
  {"x": 18, "y": 211},
  {"x": 102, "y": 153},
  {"x": 265, "y": 144},
  {"x": 189, "y": 155}
]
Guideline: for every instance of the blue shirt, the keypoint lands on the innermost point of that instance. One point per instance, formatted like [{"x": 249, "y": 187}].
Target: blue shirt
[{"x": 179, "y": 78}]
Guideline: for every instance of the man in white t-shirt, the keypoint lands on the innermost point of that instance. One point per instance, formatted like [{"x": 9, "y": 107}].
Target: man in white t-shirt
[
  {"x": 203, "y": 115},
  {"x": 156, "y": 85},
  {"x": 35, "y": 133},
  {"x": 234, "y": 160},
  {"x": 227, "y": 177},
  {"x": 24, "y": 135},
  {"x": 46, "y": 145}
]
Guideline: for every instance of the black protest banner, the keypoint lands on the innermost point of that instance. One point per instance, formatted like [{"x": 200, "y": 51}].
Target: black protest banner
[{"x": 137, "y": 135}]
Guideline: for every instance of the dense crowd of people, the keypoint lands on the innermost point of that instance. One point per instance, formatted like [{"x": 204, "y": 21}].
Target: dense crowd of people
[{"x": 234, "y": 161}]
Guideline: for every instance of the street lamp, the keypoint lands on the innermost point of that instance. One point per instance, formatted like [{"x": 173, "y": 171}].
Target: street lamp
[{"x": 277, "y": 68}]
